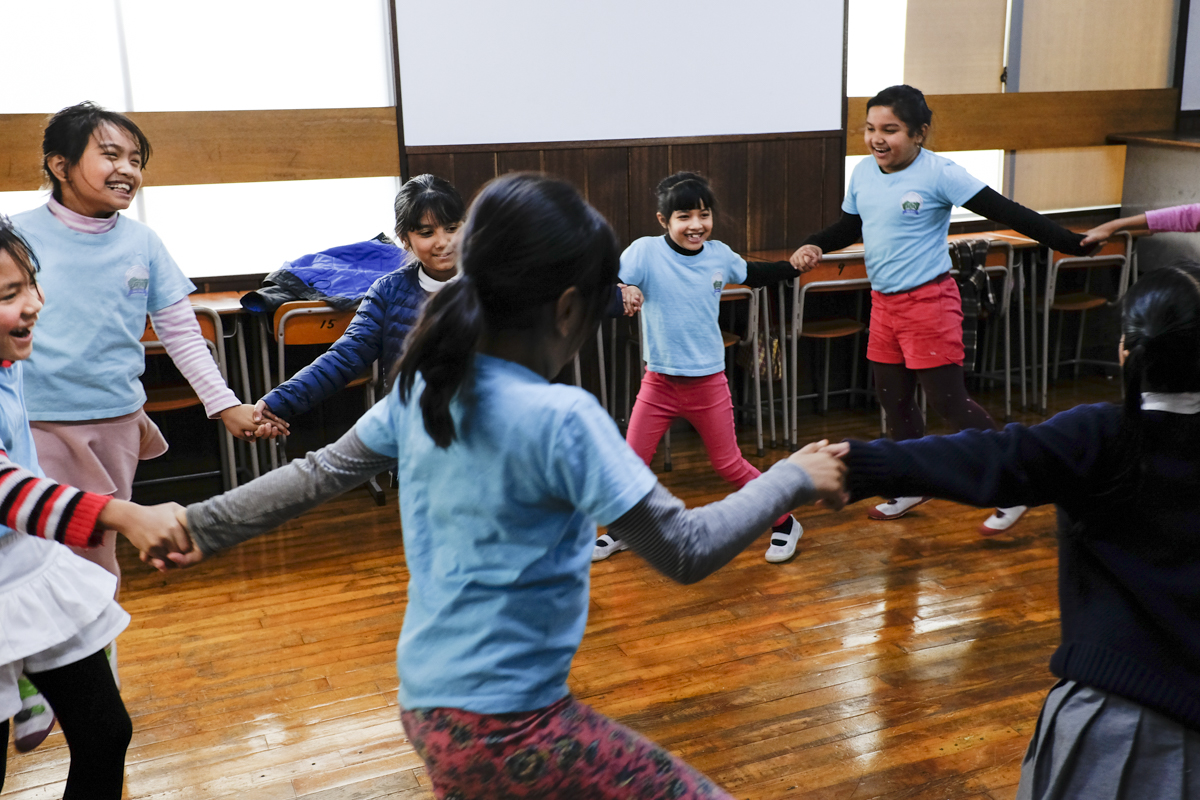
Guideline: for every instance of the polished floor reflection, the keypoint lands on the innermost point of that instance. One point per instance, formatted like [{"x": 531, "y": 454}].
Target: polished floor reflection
[{"x": 902, "y": 659}]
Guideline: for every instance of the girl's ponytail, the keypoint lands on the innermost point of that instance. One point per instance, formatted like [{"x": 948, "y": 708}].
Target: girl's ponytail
[{"x": 441, "y": 348}]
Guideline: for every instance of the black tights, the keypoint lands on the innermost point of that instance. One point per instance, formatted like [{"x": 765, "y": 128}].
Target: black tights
[
  {"x": 946, "y": 388},
  {"x": 94, "y": 721}
]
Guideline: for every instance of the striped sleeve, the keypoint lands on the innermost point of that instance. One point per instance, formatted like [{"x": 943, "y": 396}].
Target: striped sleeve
[{"x": 41, "y": 507}]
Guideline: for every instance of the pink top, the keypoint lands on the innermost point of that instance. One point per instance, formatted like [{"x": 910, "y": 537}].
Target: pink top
[
  {"x": 175, "y": 326},
  {"x": 1185, "y": 219}
]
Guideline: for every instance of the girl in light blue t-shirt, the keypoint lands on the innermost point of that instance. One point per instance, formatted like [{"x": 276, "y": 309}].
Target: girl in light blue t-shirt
[
  {"x": 899, "y": 203},
  {"x": 681, "y": 274},
  {"x": 503, "y": 477}
]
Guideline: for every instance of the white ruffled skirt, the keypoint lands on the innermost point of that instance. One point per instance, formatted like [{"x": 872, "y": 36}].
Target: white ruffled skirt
[{"x": 55, "y": 608}]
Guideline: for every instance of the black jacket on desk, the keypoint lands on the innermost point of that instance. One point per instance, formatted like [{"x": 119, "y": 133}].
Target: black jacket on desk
[{"x": 1129, "y": 571}]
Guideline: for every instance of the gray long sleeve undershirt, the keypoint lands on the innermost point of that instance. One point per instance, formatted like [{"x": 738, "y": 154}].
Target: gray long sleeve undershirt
[{"x": 684, "y": 544}]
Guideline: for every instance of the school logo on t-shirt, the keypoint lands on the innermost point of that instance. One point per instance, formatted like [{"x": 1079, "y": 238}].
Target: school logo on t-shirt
[
  {"x": 910, "y": 203},
  {"x": 137, "y": 281},
  {"x": 718, "y": 282}
]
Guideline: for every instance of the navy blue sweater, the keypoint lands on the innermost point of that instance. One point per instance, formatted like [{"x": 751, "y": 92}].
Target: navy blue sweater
[
  {"x": 385, "y": 316},
  {"x": 1129, "y": 572}
]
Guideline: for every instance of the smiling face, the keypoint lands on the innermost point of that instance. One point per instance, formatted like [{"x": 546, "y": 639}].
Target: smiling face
[
  {"x": 434, "y": 246},
  {"x": 689, "y": 229},
  {"x": 108, "y": 174},
  {"x": 889, "y": 141},
  {"x": 20, "y": 302}
]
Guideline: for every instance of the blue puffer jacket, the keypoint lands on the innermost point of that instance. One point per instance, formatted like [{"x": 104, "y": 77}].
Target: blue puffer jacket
[{"x": 387, "y": 313}]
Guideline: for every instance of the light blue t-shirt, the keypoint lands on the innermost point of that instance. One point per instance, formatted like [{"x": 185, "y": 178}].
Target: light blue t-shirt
[
  {"x": 906, "y": 216},
  {"x": 15, "y": 436},
  {"x": 683, "y": 297},
  {"x": 87, "y": 354},
  {"x": 499, "y": 530}
]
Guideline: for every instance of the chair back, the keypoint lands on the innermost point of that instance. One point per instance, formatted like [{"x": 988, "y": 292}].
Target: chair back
[{"x": 310, "y": 322}]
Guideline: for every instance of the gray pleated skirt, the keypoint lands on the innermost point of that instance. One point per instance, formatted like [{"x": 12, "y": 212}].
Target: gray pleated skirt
[{"x": 1093, "y": 745}]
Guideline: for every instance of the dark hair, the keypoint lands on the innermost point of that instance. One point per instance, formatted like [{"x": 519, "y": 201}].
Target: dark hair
[
  {"x": 907, "y": 103},
  {"x": 427, "y": 194},
  {"x": 527, "y": 239},
  {"x": 69, "y": 130},
  {"x": 12, "y": 243},
  {"x": 1160, "y": 322},
  {"x": 684, "y": 191}
]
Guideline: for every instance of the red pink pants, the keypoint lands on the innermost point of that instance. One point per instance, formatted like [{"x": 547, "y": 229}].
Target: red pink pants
[{"x": 704, "y": 402}]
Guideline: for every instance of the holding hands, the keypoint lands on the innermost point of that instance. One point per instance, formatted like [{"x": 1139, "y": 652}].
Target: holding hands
[
  {"x": 822, "y": 461},
  {"x": 246, "y": 423},
  {"x": 806, "y": 257},
  {"x": 156, "y": 531},
  {"x": 631, "y": 298}
]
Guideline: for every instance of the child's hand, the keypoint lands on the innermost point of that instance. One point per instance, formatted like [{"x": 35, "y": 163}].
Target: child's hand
[
  {"x": 177, "y": 560},
  {"x": 153, "y": 530},
  {"x": 1100, "y": 233},
  {"x": 633, "y": 298},
  {"x": 806, "y": 257},
  {"x": 826, "y": 471},
  {"x": 240, "y": 422},
  {"x": 270, "y": 424}
]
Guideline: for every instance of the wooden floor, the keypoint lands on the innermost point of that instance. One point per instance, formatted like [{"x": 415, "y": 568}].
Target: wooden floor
[{"x": 903, "y": 659}]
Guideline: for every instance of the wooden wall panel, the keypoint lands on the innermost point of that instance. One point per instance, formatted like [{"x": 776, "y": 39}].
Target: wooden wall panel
[
  {"x": 608, "y": 186},
  {"x": 1031, "y": 120},
  {"x": 519, "y": 161},
  {"x": 472, "y": 171},
  {"x": 728, "y": 172},
  {"x": 191, "y": 147},
  {"x": 1073, "y": 178},
  {"x": 954, "y": 46},
  {"x": 805, "y": 207},
  {"x": 1083, "y": 45},
  {"x": 834, "y": 174},
  {"x": 647, "y": 166},
  {"x": 771, "y": 192},
  {"x": 767, "y": 195}
]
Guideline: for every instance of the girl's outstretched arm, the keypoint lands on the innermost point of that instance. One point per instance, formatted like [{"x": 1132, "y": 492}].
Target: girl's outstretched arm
[
  {"x": 689, "y": 544},
  {"x": 843, "y": 233},
  {"x": 1101, "y": 232},
  {"x": 1046, "y": 463},
  {"x": 267, "y": 502},
  {"x": 995, "y": 206}
]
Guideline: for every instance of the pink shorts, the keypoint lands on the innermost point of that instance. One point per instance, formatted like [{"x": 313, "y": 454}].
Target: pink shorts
[{"x": 920, "y": 328}]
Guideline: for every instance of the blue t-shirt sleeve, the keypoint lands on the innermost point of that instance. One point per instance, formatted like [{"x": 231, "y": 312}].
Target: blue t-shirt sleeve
[
  {"x": 735, "y": 265},
  {"x": 168, "y": 284},
  {"x": 849, "y": 204},
  {"x": 592, "y": 466},
  {"x": 957, "y": 185},
  {"x": 376, "y": 428},
  {"x": 633, "y": 265}
]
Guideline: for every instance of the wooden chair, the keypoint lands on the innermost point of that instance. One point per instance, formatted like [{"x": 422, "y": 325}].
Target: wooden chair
[
  {"x": 308, "y": 322},
  {"x": 1117, "y": 253},
  {"x": 833, "y": 274},
  {"x": 175, "y": 396}
]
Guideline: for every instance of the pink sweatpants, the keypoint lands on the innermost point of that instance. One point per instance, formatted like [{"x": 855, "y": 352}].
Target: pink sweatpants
[{"x": 704, "y": 402}]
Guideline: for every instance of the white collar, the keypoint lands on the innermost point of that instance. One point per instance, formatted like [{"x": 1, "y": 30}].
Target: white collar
[
  {"x": 430, "y": 285},
  {"x": 1173, "y": 403}
]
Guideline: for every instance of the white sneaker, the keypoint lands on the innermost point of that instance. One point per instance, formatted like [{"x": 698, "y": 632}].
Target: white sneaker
[
  {"x": 1001, "y": 520},
  {"x": 783, "y": 540},
  {"x": 897, "y": 507},
  {"x": 606, "y": 546}
]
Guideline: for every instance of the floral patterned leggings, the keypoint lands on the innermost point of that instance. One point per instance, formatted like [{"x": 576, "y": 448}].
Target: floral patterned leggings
[{"x": 566, "y": 750}]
